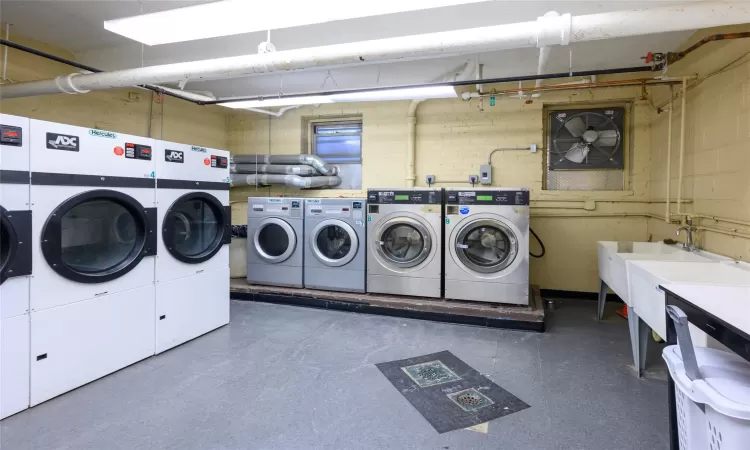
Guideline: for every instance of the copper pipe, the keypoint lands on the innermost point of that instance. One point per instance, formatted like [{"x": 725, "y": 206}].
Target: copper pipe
[
  {"x": 617, "y": 83},
  {"x": 673, "y": 57}
]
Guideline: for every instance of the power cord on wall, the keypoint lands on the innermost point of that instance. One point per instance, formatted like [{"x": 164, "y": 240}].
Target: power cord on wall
[{"x": 541, "y": 244}]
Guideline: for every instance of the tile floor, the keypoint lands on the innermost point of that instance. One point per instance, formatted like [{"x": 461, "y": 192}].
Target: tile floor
[{"x": 285, "y": 377}]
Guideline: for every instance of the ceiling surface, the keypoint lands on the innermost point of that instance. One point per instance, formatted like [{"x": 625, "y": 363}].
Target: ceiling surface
[{"x": 78, "y": 27}]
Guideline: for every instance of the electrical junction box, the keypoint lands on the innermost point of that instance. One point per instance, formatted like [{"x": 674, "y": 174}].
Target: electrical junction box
[{"x": 485, "y": 174}]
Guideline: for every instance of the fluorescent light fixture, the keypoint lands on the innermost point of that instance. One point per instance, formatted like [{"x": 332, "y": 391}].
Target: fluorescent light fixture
[
  {"x": 420, "y": 93},
  {"x": 229, "y": 17},
  {"x": 272, "y": 102}
]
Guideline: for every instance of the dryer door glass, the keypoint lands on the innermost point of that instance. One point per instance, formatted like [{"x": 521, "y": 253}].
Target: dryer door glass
[
  {"x": 404, "y": 242},
  {"x": 274, "y": 240},
  {"x": 486, "y": 246},
  {"x": 334, "y": 243},
  {"x": 96, "y": 236},
  {"x": 4, "y": 245},
  {"x": 193, "y": 227}
]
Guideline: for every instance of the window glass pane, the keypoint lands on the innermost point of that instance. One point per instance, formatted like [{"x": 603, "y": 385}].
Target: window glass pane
[
  {"x": 195, "y": 227},
  {"x": 338, "y": 129},
  {"x": 97, "y": 235},
  {"x": 339, "y": 148}
]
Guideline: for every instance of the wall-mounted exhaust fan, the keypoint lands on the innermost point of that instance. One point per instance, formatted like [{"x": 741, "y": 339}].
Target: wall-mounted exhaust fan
[{"x": 586, "y": 139}]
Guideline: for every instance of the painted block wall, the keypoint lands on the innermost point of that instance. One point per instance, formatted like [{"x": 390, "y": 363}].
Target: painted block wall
[
  {"x": 717, "y": 144},
  {"x": 133, "y": 111},
  {"x": 453, "y": 138}
]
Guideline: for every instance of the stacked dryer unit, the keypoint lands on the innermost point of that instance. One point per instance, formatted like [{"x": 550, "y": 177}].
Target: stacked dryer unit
[
  {"x": 94, "y": 231},
  {"x": 275, "y": 232},
  {"x": 15, "y": 264},
  {"x": 194, "y": 223},
  {"x": 487, "y": 245}
]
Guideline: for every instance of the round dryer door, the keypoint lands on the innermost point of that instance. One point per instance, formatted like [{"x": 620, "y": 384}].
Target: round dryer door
[
  {"x": 193, "y": 228},
  {"x": 8, "y": 244},
  {"x": 404, "y": 242},
  {"x": 96, "y": 236},
  {"x": 334, "y": 243},
  {"x": 486, "y": 246},
  {"x": 275, "y": 240}
]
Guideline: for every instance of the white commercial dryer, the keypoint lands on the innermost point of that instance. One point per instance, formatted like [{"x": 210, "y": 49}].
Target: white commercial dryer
[
  {"x": 487, "y": 245},
  {"x": 275, "y": 231},
  {"x": 335, "y": 244},
  {"x": 15, "y": 264},
  {"x": 404, "y": 237},
  {"x": 94, "y": 231},
  {"x": 194, "y": 222}
]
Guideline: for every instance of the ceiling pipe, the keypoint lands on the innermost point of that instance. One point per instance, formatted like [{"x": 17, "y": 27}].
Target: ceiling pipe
[{"x": 545, "y": 31}]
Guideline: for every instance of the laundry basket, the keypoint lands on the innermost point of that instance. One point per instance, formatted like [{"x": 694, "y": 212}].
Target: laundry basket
[{"x": 712, "y": 392}]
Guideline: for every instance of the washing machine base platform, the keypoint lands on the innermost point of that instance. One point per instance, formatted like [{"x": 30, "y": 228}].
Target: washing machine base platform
[{"x": 529, "y": 318}]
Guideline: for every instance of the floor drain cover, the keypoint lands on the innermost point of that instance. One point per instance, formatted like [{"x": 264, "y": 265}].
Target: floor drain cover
[
  {"x": 470, "y": 399},
  {"x": 430, "y": 373}
]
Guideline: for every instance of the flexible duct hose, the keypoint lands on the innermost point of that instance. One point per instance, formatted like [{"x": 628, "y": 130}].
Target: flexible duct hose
[
  {"x": 304, "y": 171},
  {"x": 287, "y": 180},
  {"x": 310, "y": 160}
]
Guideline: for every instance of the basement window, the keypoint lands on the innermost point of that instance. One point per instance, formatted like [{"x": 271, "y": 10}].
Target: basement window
[{"x": 339, "y": 141}]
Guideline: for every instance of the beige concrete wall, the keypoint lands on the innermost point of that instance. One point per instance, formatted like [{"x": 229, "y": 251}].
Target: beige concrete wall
[
  {"x": 717, "y": 144},
  {"x": 453, "y": 138},
  {"x": 133, "y": 111}
]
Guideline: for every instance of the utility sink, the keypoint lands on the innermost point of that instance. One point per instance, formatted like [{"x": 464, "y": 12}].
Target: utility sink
[
  {"x": 645, "y": 277},
  {"x": 613, "y": 256}
]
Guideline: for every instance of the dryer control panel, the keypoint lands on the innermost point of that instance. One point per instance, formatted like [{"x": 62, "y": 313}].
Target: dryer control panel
[
  {"x": 405, "y": 196},
  {"x": 488, "y": 197}
]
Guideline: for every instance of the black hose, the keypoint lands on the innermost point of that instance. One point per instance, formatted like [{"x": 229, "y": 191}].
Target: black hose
[{"x": 544, "y": 250}]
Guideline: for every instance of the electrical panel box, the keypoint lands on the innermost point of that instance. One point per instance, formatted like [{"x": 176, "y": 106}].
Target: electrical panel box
[{"x": 485, "y": 174}]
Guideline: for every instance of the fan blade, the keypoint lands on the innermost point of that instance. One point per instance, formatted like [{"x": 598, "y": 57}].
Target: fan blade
[
  {"x": 576, "y": 126},
  {"x": 577, "y": 153},
  {"x": 607, "y": 138}
]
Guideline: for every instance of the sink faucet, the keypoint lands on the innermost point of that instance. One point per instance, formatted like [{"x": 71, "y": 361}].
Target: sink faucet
[{"x": 688, "y": 228}]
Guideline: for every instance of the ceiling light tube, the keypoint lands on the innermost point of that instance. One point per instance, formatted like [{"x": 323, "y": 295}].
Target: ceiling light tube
[
  {"x": 230, "y": 17},
  {"x": 284, "y": 101},
  {"x": 419, "y": 93}
]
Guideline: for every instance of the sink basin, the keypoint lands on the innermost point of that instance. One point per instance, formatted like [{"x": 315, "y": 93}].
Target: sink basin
[
  {"x": 613, "y": 255},
  {"x": 644, "y": 278}
]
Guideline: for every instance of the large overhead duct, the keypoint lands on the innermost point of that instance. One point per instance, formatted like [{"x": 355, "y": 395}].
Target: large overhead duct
[
  {"x": 304, "y": 171},
  {"x": 239, "y": 180},
  {"x": 544, "y": 32},
  {"x": 310, "y": 160}
]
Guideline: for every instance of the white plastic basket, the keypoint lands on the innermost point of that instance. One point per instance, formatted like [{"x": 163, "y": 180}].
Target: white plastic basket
[{"x": 712, "y": 392}]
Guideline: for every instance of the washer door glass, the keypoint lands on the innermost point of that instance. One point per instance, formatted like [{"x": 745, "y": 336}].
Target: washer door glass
[
  {"x": 275, "y": 240},
  {"x": 95, "y": 236},
  {"x": 486, "y": 246},
  {"x": 194, "y": 227},
  {"x": 404, "y": 242},
  {"x": 334, "y": 243}
]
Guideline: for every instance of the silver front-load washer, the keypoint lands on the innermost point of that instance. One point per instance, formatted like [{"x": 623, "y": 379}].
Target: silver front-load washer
[
  {"x": 487, "y": 245},
  {"x": 275, "y": 231},
  {"x": 335, "y": 244},
  {"x": 404, "y": 237}
]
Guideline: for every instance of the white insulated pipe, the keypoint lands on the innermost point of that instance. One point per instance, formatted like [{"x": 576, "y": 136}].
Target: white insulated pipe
[
  {"x": 411, "y": 143},
  {"x": 545, "y": 31}
]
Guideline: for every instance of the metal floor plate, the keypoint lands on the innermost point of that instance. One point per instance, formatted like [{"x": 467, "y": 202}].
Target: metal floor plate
[
  {"x": 470, "y": 399},
  {"x": 430, "y": 373}
]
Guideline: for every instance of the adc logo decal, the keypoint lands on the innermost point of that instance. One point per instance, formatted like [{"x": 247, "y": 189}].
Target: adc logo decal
[
  {"x": 174, "y": 156},
  {"x": 62, "y": 142}
]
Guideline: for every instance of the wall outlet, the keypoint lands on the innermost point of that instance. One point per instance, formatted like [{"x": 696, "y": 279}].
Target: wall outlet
[
  {"x": 429, "y": 179},
  {"x": 473, "y": 179}
]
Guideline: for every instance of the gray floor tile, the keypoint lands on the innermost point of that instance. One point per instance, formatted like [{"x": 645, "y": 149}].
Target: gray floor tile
[{"x": 282, "y": 377}]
